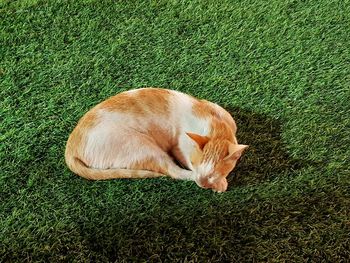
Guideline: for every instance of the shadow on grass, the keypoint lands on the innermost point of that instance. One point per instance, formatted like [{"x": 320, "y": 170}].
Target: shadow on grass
[{"x": 266, "y": 156}]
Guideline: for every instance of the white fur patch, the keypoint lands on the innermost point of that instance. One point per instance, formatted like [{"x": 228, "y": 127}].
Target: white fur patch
[
  {"x": 106, "y": 145},
  {"x": 182, "y": 109},
  {"x": 211, "y": 180},
  {"x": 205, "y": 169}
]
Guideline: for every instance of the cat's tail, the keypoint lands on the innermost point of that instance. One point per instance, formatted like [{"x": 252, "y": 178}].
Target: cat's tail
[{"x": 80, "y": 168}]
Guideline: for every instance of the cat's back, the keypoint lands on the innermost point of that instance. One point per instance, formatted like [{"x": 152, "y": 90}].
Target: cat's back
[
  {"x": 138, "y": 108},
  {"x": 157, "y": 104},
  {"x": 144, "y": 101}
]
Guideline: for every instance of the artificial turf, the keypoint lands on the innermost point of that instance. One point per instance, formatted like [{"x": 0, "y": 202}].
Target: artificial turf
[{"x": 282, "y": 68}]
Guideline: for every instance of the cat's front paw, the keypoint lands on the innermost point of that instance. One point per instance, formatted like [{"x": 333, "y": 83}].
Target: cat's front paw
[
  {"x": 220, "y": 186},
  {"x": 184, "y": 175}
]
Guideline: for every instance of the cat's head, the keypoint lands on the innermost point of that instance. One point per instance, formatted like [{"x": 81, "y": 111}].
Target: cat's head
[{"x": 213, "y": 159}]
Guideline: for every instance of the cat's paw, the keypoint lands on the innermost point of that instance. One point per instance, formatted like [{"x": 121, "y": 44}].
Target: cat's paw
[
  {"x": 184, "y": 175},
  {"x": 220, "y": 186}
]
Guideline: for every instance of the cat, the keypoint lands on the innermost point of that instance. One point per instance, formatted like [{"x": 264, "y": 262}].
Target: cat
[{"x": 153, "y": 132}]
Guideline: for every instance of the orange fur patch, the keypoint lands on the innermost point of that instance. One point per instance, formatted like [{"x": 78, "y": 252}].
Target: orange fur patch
[
  {"x": 223, "y": 168},
  {"x": 161, "y": 137},
  {"x": 203, "y": 108},
  {"x": 223, "y": 125},
  {"x": 222, "y": 130},
  {"x": 77, "y": 138},
  {"x": 149, "y": 164},
  {"x": 196, "y": 157},
  {"x": 139, "y": 102}
]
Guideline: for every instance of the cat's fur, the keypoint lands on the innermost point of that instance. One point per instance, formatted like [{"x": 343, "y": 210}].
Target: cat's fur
[{"x": 143, "y": 133}]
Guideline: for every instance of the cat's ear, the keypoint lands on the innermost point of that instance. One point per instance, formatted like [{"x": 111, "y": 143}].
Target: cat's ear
[
  {"x": 235, "y": 151},
  {"x": 199, "y": 139}
]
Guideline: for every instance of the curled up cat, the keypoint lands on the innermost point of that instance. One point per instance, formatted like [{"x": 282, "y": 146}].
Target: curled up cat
[{"x": 153, "y": 132}]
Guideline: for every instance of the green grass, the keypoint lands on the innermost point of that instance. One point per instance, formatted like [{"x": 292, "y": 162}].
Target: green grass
[{"x": 281, "y": 67}]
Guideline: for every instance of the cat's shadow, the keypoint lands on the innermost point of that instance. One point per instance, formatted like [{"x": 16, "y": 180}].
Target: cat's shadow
[{"x": 266, "y": 156}]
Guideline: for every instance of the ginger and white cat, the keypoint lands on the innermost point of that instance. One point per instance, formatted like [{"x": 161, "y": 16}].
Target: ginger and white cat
[{"x": 149, "y": 132}]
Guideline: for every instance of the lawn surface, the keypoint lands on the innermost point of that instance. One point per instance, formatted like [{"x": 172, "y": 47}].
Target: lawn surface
[{"x": 281, "y": 67}]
